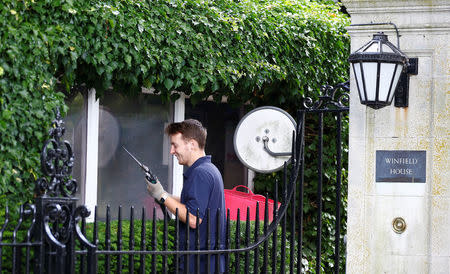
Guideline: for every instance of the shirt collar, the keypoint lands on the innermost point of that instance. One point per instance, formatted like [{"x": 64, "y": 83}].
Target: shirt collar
[{"x": 201, "y": 160}]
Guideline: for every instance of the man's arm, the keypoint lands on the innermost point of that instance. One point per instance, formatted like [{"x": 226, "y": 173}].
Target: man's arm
[{"x": 172, "y": 203}]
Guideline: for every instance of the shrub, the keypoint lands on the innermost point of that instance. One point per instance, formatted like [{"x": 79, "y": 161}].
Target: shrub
[{"x": 171, "y": 244}]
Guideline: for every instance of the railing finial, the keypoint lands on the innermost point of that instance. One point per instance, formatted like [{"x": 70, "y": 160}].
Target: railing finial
[{"x": 56, "y": 163}]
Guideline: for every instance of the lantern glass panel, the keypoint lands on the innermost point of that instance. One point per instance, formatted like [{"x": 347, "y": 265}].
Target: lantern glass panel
[
  {"x": 370, "y": 79},
  {"x": 398, "y": 72},
  {"x": 372, "y": 48},
  {"x": 387, "y": 49},
  {"x": 386, "y": 75},
  {"x": 358, "y": 76}
]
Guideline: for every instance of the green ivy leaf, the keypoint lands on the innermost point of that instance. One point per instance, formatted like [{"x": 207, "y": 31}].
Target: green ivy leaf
[
  {"x": 168, "y": 83},
  {"x": 128, "y": 60}
]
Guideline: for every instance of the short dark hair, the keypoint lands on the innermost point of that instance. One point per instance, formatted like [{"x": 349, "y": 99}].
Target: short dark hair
[{"x": 189, "y": 129}]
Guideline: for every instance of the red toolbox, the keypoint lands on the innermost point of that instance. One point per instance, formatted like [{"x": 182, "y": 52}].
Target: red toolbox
[{"x": 235, "y": 199}]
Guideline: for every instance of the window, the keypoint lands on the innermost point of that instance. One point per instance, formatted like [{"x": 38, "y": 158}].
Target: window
[
  {"x": 138, "y": 124},
  {"x": 75, "y": 124},
  {"x": 107, "y": 175}
]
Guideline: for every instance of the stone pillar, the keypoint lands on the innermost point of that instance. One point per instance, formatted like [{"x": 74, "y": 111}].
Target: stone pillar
[{"x": 424, "y": 247}]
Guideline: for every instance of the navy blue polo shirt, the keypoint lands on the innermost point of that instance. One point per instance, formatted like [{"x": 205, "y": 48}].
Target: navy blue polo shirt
[{"x": 203, "y": 190}]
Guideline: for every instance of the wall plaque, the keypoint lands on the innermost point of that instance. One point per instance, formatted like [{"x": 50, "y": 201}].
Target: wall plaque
[{"x": 401, "y": 166}]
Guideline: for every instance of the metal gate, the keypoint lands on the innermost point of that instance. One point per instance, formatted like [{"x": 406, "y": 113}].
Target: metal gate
[{"x": 52, "y": 236}]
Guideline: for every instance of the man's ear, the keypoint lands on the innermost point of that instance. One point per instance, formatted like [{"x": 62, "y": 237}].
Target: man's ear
[{"x": 193, "y": 143}]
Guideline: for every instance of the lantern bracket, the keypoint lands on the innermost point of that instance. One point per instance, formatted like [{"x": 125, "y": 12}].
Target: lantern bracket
[
  {"x": 402, "y": 91},
  {"x": 413, "y": 66},
  {"x": 378, "y": 24}
]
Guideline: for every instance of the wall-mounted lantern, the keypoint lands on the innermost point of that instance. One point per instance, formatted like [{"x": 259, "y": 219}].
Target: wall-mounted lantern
[{"x": 378, "y": 66}]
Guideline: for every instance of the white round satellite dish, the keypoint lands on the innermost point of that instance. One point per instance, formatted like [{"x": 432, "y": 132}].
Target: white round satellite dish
[{"x": 263, "y": 139}]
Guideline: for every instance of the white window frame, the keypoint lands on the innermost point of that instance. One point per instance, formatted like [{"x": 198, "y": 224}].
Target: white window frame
[
  {"x": 177, "y": 170},
  {"x": 90, "y": 194}
]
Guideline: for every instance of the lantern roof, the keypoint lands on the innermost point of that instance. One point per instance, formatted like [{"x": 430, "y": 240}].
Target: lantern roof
[{"x": 379, "y": 49}]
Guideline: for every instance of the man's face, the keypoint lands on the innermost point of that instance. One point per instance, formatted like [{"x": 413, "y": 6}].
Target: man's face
[{"x": 180, "y": 148}]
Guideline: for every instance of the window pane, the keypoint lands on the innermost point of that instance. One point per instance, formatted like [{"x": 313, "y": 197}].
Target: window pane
[
  {"x": 396, "y": 79},
  {"x": 374, "y": 47},
  {"x": 358, "y": 76},
  {"x": 387, "y": 49},
  {"x": 75, "y": 123},
  {"x": 370, "y": 76},
  {"x": 386, "y": 75},
  {"x": 137, "y": 124}
]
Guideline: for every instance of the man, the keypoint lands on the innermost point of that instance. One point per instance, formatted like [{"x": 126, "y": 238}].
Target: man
[{"x": 202, "y": 191}]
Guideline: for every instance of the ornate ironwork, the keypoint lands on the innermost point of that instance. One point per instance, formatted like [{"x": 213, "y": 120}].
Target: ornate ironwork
[
  {"x": 55, "y": 199},
  {"x": 330, "y": 98},
  {"x": 56, "y": 162},
  {"x": 58, "y": 222}
]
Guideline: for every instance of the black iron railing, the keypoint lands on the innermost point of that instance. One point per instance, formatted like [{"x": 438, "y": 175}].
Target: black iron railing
[
  {"x": 334, "y": 103},
  {"x": 52, "y": 236}
]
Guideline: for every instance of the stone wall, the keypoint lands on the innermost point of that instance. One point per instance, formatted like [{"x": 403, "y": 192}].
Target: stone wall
[{"x": 424, "y": 247}]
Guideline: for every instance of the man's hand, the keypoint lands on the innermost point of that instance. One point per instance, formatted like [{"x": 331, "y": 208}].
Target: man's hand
[{"x": 155, "y": 189}]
